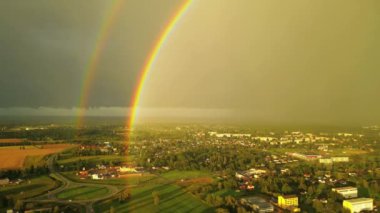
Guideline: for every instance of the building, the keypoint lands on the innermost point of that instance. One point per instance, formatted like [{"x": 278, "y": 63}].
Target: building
[
  {"x": 325, "y": 160},
  {"x": 124, "y": 169},
  {"x": 340, "y": 159},
  {"x": 257, "y": 171},
  {"x": 83, "y": 174},
  {"x": 96, "y": 177},
  {"x": 242, "y": 175},
  {"x": 257, "y": 204},
  {"x": 287, "y": 200},
  {"x": 304, "y": 156},
  {"x": 358, "y": 204},
  {"x": 347, "y": 192}
]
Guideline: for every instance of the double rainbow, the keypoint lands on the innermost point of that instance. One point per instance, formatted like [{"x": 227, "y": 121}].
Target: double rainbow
[
  {"x": 105, "y": 30},
  {"x": 109, "y": 20}
]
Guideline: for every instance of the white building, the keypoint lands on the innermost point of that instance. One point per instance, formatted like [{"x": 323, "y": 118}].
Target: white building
[
  {"x": 340, "y": 159},
  {"x": 325, "y": 160},
  {"x": 96, "y": 177},
  {"x": 346, "y": 192},
  {"x": 359, "y": 204}
]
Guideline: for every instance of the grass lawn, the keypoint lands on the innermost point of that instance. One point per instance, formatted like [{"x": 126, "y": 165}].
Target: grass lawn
[
  {"x": 178, "y": 175},
  {"x": 34, "y": 187},
  {"x": 234, "y": 193},
  {"x": 172, "y": 199},
  {"x": 83, "y": 193},
  {"x": 137, "y": 180}
]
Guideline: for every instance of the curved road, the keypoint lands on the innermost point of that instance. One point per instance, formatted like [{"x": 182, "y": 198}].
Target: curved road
[{"x": 69, "y": 184}]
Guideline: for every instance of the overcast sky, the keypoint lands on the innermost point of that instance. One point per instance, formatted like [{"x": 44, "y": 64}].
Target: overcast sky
[
  {"x": 282, "y": 61},
  {"x": 45, "y": 47}
]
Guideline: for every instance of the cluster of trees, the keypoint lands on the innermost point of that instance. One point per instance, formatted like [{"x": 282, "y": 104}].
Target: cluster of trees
[
  {"x": 92, "y": 163},
  {"x": 224, "y": 158},
  {"x": 62, "y": 133},
  {"x": 32, "y": 171}
]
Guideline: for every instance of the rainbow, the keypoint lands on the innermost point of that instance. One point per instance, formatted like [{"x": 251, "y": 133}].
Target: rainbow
[
  {"x": 149, "y": 62},
  {"x": 108, "y": 21},
  {"x": 101, "y": 40}
]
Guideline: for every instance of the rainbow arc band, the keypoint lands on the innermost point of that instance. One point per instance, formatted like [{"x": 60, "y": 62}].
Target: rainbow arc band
[
  {"x": 149, "y": 62},
  {"x": 101, "y": 40},
  {"x": 105, "y": 30}
]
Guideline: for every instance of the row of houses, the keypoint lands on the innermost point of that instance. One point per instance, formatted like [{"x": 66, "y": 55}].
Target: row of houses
[{"x": 229, "y": 135}]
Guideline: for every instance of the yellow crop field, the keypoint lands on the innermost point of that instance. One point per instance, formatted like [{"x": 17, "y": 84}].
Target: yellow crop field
[{"x": 12, "y": 157}]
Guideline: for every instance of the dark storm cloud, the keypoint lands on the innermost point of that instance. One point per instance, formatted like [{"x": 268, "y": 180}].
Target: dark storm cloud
[{"x": 45, "y": 47}]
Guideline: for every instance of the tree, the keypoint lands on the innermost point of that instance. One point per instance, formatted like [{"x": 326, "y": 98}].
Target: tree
[
  {"x": 286, "y": 189},
  {"x": 56, "y": 209},
  {"x": 19, "y": 205},
  {"x": 310, "y": 190},
  {"x": 112, "y": 209},
  {"x": 156, "y": 198},
  {"x": 302, "y": 184},
  {"x": 220, "y": 185},
  {"x": 218, "y": 201},
  {"x": 124, "y": 196},
  {"x": 209, "y": 199},
  {"x": 222, "y": 210},
  {"x": 241, "y": 209},
  {"x": 318, "y": 206},
  {"x": 230, "y": 201}
]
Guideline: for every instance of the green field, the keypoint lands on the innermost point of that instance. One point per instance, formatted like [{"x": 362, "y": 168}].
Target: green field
[
  {"x": 83, "y": 193},
  {"x": 178, "y": 175},
  {"x": 172, "y": 199},
  {"x": 137, "y": 180},
  {"x": 26, "y": 189}
]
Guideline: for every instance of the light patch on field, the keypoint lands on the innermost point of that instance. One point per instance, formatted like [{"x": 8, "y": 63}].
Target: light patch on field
[
  {"x": 204, "y": 180},
  {"x": 12, "y": 157}
]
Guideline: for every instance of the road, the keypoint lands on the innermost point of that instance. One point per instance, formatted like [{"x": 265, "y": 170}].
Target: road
[{"x": 51, "y": 196}]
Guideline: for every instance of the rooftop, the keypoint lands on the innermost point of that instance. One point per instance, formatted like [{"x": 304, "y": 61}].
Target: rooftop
[
  {"x": 345, "y": 188},
  {"x": 359, "y": 200},
  {"x": 289, "y": 196}
]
